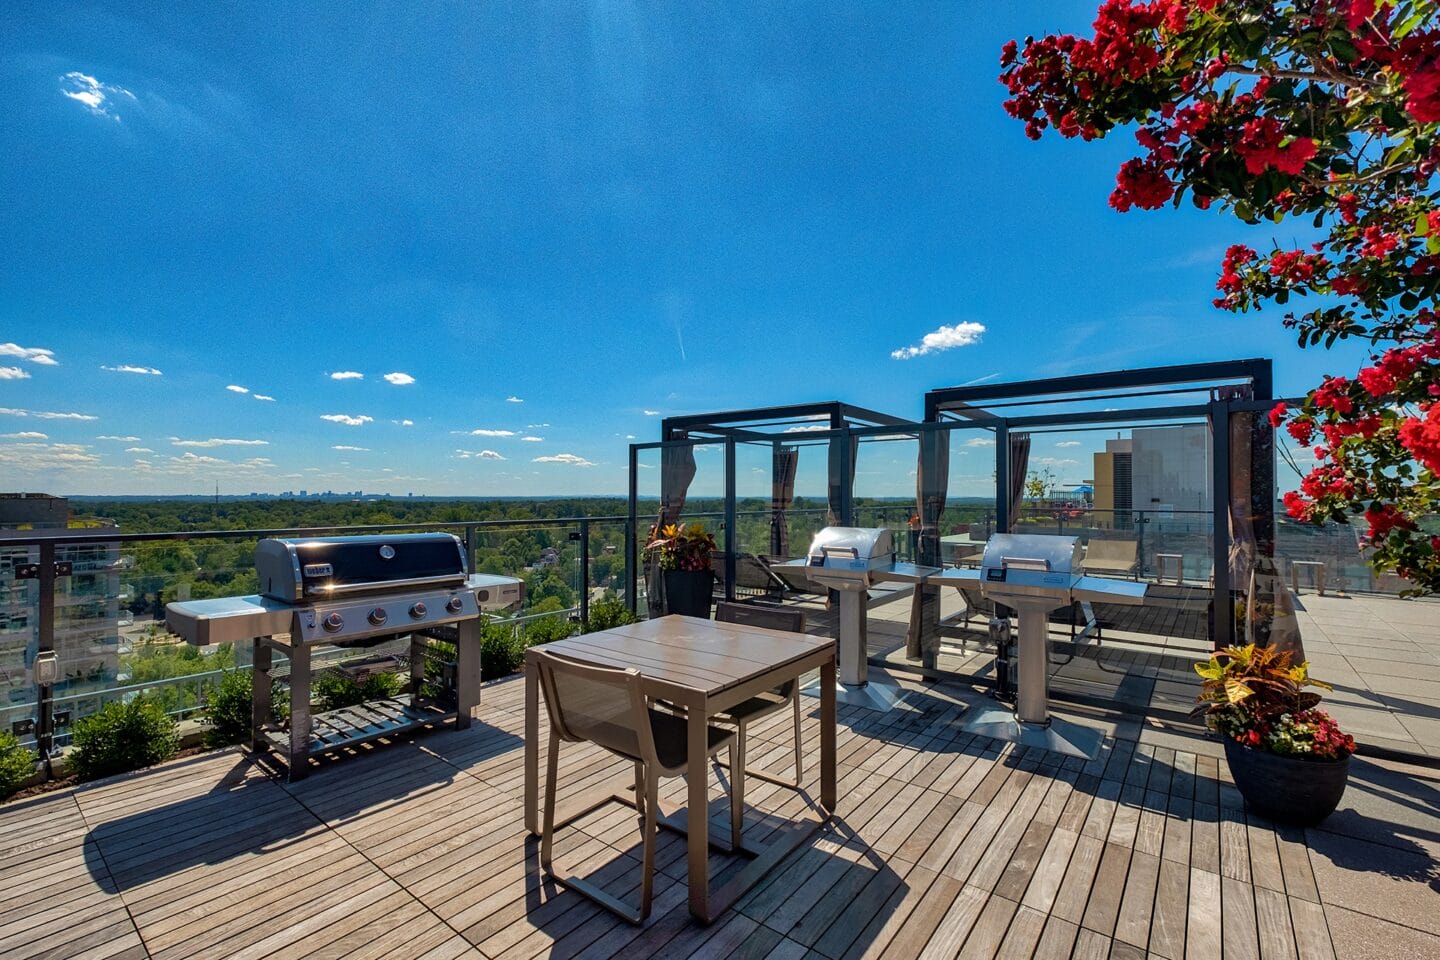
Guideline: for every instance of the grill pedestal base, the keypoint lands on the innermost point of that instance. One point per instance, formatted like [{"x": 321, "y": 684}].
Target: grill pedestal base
[
  {"x": 1059, "y": 736},
  {"x": 878, "y": 693}
]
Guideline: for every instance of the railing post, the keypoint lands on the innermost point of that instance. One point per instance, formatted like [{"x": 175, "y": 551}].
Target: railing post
[
  {"x": 45, "y": 692},
  {"x": 470, "y": 547},
  {"x": 584, "y": 573},
  {"x": 630, "y": 534}
]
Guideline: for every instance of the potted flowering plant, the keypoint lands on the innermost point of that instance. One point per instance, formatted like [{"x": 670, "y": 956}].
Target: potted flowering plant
[
  {"x": 683, "y": 555},
  {"x": 1289, "y": 760}
]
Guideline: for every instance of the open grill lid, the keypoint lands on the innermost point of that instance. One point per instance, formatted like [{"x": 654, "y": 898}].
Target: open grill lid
[
  {"x": 852, "y": 548},
  {"x": 318, "y": 567}
]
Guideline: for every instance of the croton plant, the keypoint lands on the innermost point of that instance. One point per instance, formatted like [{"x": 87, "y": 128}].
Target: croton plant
[
  {"x": 677, "y": 547},
  {"x": 1254, "y": 696},
  {"x": 1324, "y": 116}
]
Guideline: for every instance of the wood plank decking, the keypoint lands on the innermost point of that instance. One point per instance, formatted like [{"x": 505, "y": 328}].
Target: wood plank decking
[{"x": 945, "y": 845}]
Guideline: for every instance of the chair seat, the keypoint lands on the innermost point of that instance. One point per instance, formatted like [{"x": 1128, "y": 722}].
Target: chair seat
[
  {"x": 670, "y": 737},
  {"x": 756, "y": 707}
]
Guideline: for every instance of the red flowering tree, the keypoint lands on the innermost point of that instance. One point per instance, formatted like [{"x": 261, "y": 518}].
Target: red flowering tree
[{"x": 1328, "y": 111}]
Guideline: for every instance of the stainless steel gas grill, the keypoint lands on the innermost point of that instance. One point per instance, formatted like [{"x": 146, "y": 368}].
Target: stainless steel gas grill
[
  {"x": 370, "y": 592},
  {"x": 851, "y": 560},
  {"x": 1035, "y": 574}
]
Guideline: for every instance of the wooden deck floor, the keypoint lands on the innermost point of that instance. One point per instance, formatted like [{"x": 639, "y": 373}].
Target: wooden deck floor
[{"x": 944, "y": 845}]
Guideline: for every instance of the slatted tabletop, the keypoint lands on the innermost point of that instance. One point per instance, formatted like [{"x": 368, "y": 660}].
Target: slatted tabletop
[{"x": 704, "y": 667}]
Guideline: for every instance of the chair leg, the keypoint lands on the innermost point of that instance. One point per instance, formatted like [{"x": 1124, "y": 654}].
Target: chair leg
[
  {"x": 799, "y": 762},
  {"x": 640, "y": 794},
  {"x": 652, "y": 830},
  {"x": 547, "y": 835}
]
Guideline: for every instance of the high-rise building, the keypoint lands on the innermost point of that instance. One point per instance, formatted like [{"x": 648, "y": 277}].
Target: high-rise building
[
  {"x": 1162, "y": 471},
  {"x": 87, "y": 605}
]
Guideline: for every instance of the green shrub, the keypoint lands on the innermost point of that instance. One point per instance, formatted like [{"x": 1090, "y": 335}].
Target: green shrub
[
  {"x": 501, "y": 651},
  {"x": 332, "y": 690},
  {"x": 122, "y": 736},
  {"x": 546, "y": 630},
  {"x": 609, "y": 612},
  {"x": 17, "y": 764},
  {"x": 228, "y": 706}
]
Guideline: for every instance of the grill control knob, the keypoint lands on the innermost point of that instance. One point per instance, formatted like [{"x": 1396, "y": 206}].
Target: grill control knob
[
  {"x": 378, "y": 616},
  {"x": 333, "y": 622},
  {"x": 454, "y": 604},
  {"x": 417, "y": 610}
]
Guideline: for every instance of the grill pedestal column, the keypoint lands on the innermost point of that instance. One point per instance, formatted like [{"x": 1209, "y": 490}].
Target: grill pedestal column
[
  {"x": 1031, "y": 724},
  {"x": 854, "y": 686}
]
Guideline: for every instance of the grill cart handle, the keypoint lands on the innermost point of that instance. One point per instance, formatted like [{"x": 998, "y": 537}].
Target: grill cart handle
[
  {"x": 1025, "y": 563},
  {"x": 852, "y": 552}
]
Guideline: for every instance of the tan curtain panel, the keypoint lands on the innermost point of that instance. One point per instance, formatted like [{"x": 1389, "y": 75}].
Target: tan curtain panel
[{"x": 932, "y": 480}]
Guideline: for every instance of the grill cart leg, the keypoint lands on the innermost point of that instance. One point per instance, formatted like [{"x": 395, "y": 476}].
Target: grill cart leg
[
  {"x": 854, "y": 668},
  {"x": 260, "y": 705},
  {"x": 467, "y": 671},
  {"x": 299, "y": 759}
]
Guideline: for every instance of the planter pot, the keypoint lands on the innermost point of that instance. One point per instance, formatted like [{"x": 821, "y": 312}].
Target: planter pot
[
  {"x": 1287, "y": 789},
  {"x": 688, "y": 592}
]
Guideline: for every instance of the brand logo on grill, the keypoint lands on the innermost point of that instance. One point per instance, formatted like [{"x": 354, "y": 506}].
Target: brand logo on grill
[
  {"x": 319, "y": 570},
  {"x": 387, "y": 552}
]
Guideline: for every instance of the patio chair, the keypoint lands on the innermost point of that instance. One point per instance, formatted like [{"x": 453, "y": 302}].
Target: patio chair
[
  {"x": 771, "y": 701},
  {"x": 607, "y": 707},
  {"x": 1111, "y": 557}
]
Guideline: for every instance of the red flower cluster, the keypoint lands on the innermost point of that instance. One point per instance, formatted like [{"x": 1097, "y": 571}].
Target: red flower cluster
[
  {"x": 1297, "y": 266},
  {"x": 1231, "y": 283},
  {"x": 1378, "y": 244},
  {"x": 1260, "y": 144},
  {"x": 1277, "y": 413},
  {"x": 1396, "y": 365},
  {"x": 1418, "y": 62},
  {"x": 1297, "y": 506},
  {"x": 1143, "y": 184},
  {"x": 1334, "y": 394},
  {"x": 1383, "y": 518},
  {"x": 1422, "y": 438}
]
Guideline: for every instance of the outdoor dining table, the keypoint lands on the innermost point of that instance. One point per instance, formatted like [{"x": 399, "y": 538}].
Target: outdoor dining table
[{"x": 704, "y": 667}]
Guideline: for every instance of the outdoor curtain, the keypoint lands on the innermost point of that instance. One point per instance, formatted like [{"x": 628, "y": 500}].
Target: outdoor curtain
[
  {"x": 932, "y": 479},
  {"x": 838, "y": 479},
  {"x": 1269, "y": 608},
  {"x": 782, "y": 497},
  {"x": 1019, "y": 466},
  {"x": 677, "y": 470}
]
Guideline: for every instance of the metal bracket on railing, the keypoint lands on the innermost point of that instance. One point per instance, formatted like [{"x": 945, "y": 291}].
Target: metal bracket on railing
[{"x": 31, "y": 571}]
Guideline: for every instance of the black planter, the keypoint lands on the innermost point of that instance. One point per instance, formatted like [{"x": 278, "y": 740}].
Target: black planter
[
  {"x": 688, "y": 592},
  {"x": 1287, "y": 789}
]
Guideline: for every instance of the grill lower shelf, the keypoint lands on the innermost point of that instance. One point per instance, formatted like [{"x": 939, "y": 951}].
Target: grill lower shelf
[{"x": 349, "y": 726}]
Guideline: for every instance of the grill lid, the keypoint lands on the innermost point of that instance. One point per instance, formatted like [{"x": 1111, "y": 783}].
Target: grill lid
[
  {"x": 852, "y": 548},
  {"x": 315, "y": 567},
  {"x": 1013, "y": 557}
]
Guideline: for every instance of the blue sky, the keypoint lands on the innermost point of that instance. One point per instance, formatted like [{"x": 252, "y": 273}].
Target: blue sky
[{"x": 549, "y": 223}]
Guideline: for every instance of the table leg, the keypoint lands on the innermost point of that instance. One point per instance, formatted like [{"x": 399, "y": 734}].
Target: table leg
[
  {"x": 827, "y": 735},
  {"x": 532, "y": 749},
  {"x": 697, "y": 813}
]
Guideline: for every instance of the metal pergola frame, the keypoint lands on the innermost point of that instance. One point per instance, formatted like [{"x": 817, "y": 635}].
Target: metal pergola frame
[
  {"x": 1228, "y": 388},
  {"x": 1233, "y": 386}
]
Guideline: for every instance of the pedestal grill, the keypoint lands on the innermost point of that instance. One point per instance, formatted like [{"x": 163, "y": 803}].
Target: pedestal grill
[
  {"x": 356, "y": 592},
  {"x": 851, "y": 560},
  {"x": 1035, "y": 574}
]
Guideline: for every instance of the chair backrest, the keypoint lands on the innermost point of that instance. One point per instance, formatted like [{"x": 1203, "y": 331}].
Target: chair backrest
[
  {"x": 773, "y": 618},
  {"x": 603, "y": 705},
  {"x": 1110, "y": 555}
]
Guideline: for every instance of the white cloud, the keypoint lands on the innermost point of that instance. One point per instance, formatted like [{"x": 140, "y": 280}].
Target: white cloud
[
  {"x": 13, "y": 373},
  {"x": 652, "y": 413},
  {"x": 980, "y": 442},
  {"x": 92, "y": 94},
  {"x": 346, "y": 419},
  {"x": 945, "y": 338},
  {"x": 119, "y": 439},
  {"x": 46, "y": 358},
  {"x": 536, "y": 426},
  {"x": 629, "y": 436},
  {"x": 342, "y": 446},
  {"x": 262, "y": 396},
  {"x": 399, "y": 379},
  {"x": 194, "y": 459},
  {"x": 130, "y": 368},
  {"x": 44, "y": 414},
  {"x": 533, "y": 439},
  {"x": 25, "y": 435},
  {"x": 808, "y": 428},
  {"x": 216, "y": 442},
  {"x": 138, "y": 450},
  {"x": 492, "y": 433},
  {"x": 406, "y": 423},
  {"x": 235, "y": 388},
  {"x": 567, "y": 458},
  {"x": 347, "y": 375},
  {"x": 1068, "y": 443},
  {"x": 513, "y": 400},
  {"x": 42, "y": 456},
  {"x": 478, "y": 455}
]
